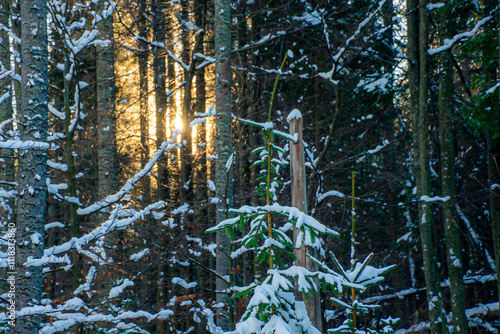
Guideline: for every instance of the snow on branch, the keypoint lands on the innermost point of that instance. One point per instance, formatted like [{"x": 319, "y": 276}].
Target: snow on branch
[
  {"x": 434, "y": 199},
  {"x": 207, "y": 60},
  {"x": 110, "y": 225},
  {"x": 268, "y": 126},
  {"x": 23, "y": 145},
  {"x": 8, "y": 194},
  {"x": 202, "y": 117},
  {"x": 308, "y": 20},
  {"x": 66, "y": 320},
  {"x": 139, "y": 255},
  {"x": 177, "y": 60},
  {"x": 329, "y": 75},
  {"x": 130, "y": 184},
  {"x": 291, "y": 212},
  {"x": 4, "y": 97},
  {"x": 57, "y": 165},
  {"x": 331, "y": 193},
  {"x": 433, "y": 6},
  {"x": 448, "y": 43},
  {"x": 475, "y": 237},
  {"x": 16, "y": 39},
  {"x": 473, "y": 315},
  {"x": 56, "y": 112},
  {"x": 402, "y": 293},
  {"x": 265, "y": 39},
  {"x": 118, "y": 290},
  {"x": 4, "y": 124},
  {"x": 492, "y": 89},
  {"x": 183, "y": 283}
]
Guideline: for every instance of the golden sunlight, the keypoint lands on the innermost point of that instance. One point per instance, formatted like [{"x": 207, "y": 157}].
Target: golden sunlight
[{"x": 178, "y": 122}]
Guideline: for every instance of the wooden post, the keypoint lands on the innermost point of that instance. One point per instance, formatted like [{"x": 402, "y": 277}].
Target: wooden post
[{"x": 299, "y": 200}]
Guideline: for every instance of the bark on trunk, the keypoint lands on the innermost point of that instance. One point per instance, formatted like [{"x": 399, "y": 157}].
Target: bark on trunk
[
  {"x": 186, "y": 185},
  {"x": 106, "y": 120},
  {"x": 172, "y": 177},
  {"x": 31, "y": 204},
  {"x": 143, "y": 54},
  {"x": 74, "y": 219},
  {"x": 494, "y": 178},
  {"x": 106, "y": 125},
  {"x": 299, "y": 200},
  {"x": 448, "y": 186},
  {"x": 200, "y": 171},
  {"x": 7, "y": 166},
  {"x": 493, "y": 146},
  {"x": 419, "y": 86},
  {"x": 159, "y": 69},
  {"x": 437, "y": 316},
  {"x": 223, "y": 147}
]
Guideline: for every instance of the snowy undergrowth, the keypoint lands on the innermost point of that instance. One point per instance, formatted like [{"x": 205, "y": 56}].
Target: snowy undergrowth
[{"x": 275, "y": 305}]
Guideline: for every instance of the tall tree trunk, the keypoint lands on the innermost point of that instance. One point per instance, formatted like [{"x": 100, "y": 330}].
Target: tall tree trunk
[
  {"x": 254, "y": 96},
  {"x": 172, "y": 177},
  {"x": 186, "y": 186},
  {"x": 143, "y": 58},
  {"x": 7, "y": 166},
  {"x": 437, "y": 316},
  {"x": 223, "y": 147},
  {"x": 159, "y": 69},
  {"x": 200, "y": 170},
  {"x": 74, "y": 219},
  {"x": 31, "y": 204},
  {"x": 106, "y": 121},
  {"x": 493, "y": 147},
  {"x": 413, "y": 80},
  {"x": 5, "y": 83},
  {"x": 299, "y": 200},
  {"x": 143, "y": 97},
  {"x": 159, "y": 72},
  {"x": 390, "y": 157},
  {"x": 448, "y": 186},
  {"x": 16, "y": 29}
]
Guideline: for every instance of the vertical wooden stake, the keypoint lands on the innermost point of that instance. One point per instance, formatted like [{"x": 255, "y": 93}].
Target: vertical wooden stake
[{"x": 299, "y": 200}]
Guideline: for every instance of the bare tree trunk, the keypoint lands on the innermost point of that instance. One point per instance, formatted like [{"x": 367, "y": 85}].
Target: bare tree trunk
[
  {"x": 172, "y": 177},
  {"x": 186, "y": 187},
  {"x": 106, "y": 124},
  {"x": 159, "y": 69},
  {"x": 7, "y": 166},
  {"x": 299, "y": 200},
  {"x": 16, "y": 29},
  {"x": 437, "y": 316},
  {"x": 74, "y": 219},
  {"x": 448, "y": 186},
  {"x": 493, "y": 147},
  {"x": 160, "y": 74},
  {"x": 31, "y": 204},
  {"x": 186, "y": 137},
  {"x": 223, "y": 148},
  {"x": 200, "y": 170},
  {"x": 143, "y": 97},
  {"x": 106, "y": 96}
]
